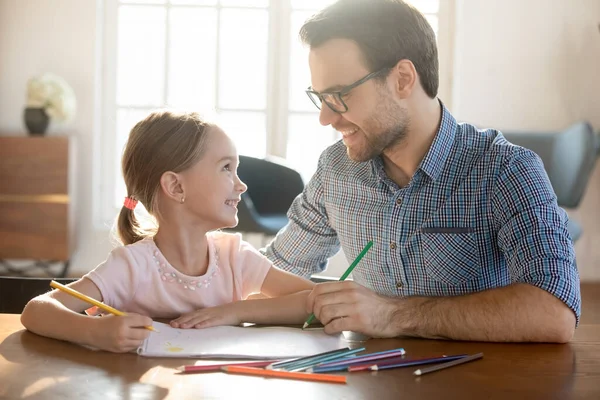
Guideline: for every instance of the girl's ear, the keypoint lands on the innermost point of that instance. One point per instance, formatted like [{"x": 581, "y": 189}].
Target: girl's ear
[{"x": 171, "y": 186}]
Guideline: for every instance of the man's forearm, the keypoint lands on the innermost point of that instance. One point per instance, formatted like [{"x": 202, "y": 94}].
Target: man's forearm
[{"x": 516, "y": 313}]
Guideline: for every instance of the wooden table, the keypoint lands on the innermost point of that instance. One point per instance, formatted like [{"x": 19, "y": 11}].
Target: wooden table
[{"x": 34, "y": 367}]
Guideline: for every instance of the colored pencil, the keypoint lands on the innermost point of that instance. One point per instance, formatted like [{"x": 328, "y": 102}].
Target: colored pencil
[
  {"x": 271, "y": 373},
  {"x": 424, "y": 371},
  {"x": 364, "y": 251},
  {"x": 344, "y": 365},
  {"x": 357, "y": 366},
  {"x": 405, "y": 363},
  {"x": 311, "y": 363},
  {"x": 366, "y": 357},
  {"x": 217, "y": 367},
  {"x": 95, "y": 302},
  {"x": 281, "y": 364}
]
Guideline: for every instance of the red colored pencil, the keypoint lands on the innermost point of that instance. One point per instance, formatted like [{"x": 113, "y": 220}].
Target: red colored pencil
[{"x": 217, "y": 367}]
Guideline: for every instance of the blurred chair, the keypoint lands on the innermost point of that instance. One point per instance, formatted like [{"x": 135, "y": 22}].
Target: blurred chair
[
  {"x": 569, "y": 158},
  {"x": 272, "y": 187},
  {"x": 15, "y": 292}
]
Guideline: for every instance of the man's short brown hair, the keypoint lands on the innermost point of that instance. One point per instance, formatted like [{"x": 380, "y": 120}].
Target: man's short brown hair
[{"x": 386, "y": 31}]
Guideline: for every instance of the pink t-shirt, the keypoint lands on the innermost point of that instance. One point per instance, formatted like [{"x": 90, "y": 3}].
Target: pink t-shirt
[{"x": 138, "y": 278}]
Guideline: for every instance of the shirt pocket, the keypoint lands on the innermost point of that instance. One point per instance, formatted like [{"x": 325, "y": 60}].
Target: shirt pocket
[{"x": 450, "y": 254}]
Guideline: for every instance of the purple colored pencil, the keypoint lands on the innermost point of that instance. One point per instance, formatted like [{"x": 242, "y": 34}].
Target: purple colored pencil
[
  {"x": 463, "y": 360},
  {"x": 417, "y": 362},
  {"x": 364, "y": 358},
  {"x": 403, "y": 361},
  {"x": 347, "y": 366}
]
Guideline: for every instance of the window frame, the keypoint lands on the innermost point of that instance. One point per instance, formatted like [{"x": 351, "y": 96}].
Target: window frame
[{"x": 277, "y": 92}]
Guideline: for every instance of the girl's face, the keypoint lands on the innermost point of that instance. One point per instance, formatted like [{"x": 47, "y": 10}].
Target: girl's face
[{"x": 212, "y": 187}]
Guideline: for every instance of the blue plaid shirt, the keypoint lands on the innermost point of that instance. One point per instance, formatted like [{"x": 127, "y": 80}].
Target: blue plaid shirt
[{"x": 479, "y": 213}]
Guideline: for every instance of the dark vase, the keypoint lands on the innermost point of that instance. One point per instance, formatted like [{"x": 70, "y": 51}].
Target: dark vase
[{"x": 36, "y": 120}]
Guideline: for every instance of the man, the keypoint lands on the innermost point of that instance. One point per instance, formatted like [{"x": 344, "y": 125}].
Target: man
[{"x": 469, "y": 241}]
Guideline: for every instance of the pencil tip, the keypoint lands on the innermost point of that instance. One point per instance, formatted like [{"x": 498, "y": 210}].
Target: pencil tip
[
  {"x": 180, "y": 369},
  {"x": 417, "y": 372},
  {"x": 304, "y": 326}
]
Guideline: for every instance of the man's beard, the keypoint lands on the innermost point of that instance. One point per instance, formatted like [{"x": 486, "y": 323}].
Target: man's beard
[{"x": 387, "y": 129}]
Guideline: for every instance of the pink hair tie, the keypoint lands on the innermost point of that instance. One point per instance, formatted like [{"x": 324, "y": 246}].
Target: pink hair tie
[{"x": 130, "y": 202}]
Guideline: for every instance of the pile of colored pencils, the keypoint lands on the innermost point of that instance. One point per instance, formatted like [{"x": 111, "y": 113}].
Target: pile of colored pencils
[{"x": 316, "y": 367}]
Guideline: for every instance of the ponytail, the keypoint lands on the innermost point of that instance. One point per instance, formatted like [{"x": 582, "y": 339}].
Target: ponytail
[
  {"x": 163, "y": 141},
  {"x": 128, "y": 228}
]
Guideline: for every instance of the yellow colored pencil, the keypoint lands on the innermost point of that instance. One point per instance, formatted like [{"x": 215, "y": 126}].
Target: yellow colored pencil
[{"x": 95, "y": 302}]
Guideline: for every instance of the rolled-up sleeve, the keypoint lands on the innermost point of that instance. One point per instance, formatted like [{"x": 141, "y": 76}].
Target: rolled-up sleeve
[
  {"x": 305, "y": 244},
  {"x": 532, "y": 229}
]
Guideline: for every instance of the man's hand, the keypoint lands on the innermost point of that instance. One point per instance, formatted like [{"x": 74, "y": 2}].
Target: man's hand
[
  {"x": 213, "y": 316},
  {"x": 516, "y": 313},
  {"x": 120, "y": 334},
  {"x": 347, "y": 306}
]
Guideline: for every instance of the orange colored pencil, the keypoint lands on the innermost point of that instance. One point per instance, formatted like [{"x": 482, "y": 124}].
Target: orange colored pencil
[
  {"x": 284, "y": 374},
  {"x": 217, "y": 367}
]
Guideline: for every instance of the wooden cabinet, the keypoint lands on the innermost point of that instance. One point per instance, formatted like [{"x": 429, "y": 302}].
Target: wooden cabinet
[{"x": 36, "y": 186}]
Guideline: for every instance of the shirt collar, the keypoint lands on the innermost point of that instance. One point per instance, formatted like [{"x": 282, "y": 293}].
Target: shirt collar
[{"x": 435, "y": 159}]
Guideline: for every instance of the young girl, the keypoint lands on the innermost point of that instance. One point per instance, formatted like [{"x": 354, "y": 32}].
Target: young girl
[{"x": 184, "y": 171}]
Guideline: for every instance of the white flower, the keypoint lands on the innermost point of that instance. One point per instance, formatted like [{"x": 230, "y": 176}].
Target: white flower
[{"x": 54, "y": 95}]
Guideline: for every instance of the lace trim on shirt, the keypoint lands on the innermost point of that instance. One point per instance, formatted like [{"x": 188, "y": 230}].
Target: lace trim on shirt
[{"x": 189, "y": 284}]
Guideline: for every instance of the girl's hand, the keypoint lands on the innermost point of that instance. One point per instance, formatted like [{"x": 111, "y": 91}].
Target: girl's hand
[
  {"x": 213, "y": 316},
  {"x": 120, "y": 334}
]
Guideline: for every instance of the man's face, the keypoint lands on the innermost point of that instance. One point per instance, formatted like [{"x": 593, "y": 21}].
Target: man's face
[{"x": 375, "y": 120}]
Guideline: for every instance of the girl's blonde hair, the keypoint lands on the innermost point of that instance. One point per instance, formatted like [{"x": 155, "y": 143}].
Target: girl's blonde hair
[{"x": 163, "y": 141}]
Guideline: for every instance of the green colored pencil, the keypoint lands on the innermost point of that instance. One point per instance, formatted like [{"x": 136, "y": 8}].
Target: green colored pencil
[{"x": 344, "y": 276}]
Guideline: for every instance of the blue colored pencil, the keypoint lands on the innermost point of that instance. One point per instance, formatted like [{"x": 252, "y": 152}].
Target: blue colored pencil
[
  {"x": 408, "y": 363},
  {"x": 363, "y": 364},
  {"x": 311, "y": 363},
  {"x": 347, "y": 366},
  {"x": 300, "y": 366},
  {"x": 366, "y": 357},
  {"x": 281, "y": 364}
]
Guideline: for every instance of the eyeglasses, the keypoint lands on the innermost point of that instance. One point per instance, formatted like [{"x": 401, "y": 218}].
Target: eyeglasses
[{"x": 334, "y": 99}]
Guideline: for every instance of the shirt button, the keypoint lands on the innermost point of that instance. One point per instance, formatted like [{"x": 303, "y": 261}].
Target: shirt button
[
  {"x": 399, "y": 201},
  {"x": 393, "y": 246},
  {"x": 399, "y": 285}
]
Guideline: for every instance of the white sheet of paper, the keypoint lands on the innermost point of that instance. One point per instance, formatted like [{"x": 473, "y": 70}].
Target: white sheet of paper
[{"x": 238, "y": 343}]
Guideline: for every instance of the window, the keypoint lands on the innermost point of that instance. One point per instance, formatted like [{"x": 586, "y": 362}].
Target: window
[{"x": 238, "y": 61}]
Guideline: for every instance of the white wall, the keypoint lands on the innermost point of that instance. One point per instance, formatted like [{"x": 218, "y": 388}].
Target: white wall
[
  {"x": 527, "y": 64},
  {"x": 533, "y": 65},
  {"x": 58, "y": 36},
  {"x": 518, "y": 65}
]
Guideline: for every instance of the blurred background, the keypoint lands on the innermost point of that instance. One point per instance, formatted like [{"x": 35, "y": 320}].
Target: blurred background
[{"x": 520, "y": 66}]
